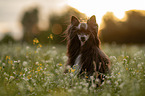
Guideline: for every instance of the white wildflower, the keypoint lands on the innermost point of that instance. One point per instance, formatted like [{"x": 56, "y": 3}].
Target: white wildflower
[
  {"x": 70, "y": 90},
  {"x": 97, "y": 80},
  {"x": 25, "y": 63},
  {"x": 92, "y": 77},
  {"x": 80, "y": 87},
  {"x": 13, "y": 67},
  {"x": 71, "y": 74},
  {"x": 108, "y": 94},
  {"x": 3, "y": 64},
  {"x": 108, "y": 82},
  {"x": 65, "y": 58},
  {"x": 11, "y": 78},
  {"x": 53, "y": 47},
  {"x": 6, "y": 78},
  {"x": 15, "y": 61},
  {"x": 36, "y": 63},
  {"x": 27, "y": 47},
  {"x": 85, "y": 90},
  {"x": 93, "y": 85},
  {"x": 5, "y": 74},
  {"x": 139, "y": 65},
  {"x": 19, "y": 61},
  {"x": 25, "y": 69},
  {"x": 121, "y": 85},
  {"x": 68, "y": 67}
]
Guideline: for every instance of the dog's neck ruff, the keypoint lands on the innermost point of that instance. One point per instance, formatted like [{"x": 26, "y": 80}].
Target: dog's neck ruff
[{"x": 82, "y": 43}]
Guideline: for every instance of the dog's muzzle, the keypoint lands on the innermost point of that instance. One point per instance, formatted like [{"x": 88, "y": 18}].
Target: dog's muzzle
[{"x": 83, "y": 38}]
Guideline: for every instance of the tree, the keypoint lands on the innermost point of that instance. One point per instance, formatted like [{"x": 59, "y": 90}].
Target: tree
[
  {"x": 131, "y": 30},
  {"x": 29, "y": 23}
]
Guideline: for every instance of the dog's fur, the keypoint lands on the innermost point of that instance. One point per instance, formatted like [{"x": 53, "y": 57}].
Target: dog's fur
[{"x": 83, "y": 47}]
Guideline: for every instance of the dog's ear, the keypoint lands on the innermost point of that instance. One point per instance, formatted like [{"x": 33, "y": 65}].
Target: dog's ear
[
  {"x": 92, "y": 20},
  {"x": 74, "y": 21}
]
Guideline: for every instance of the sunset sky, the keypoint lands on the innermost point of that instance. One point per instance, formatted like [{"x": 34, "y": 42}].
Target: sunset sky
[
  {"x": 100, "y": 7},
  {"x": 11, "y": 10}
]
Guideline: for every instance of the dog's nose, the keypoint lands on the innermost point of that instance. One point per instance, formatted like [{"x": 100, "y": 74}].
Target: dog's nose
[{"x": 82, "y": 39}]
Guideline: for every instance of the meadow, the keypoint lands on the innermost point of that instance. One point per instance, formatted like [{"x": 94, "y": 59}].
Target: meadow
[{"x": 29, "y": 70}]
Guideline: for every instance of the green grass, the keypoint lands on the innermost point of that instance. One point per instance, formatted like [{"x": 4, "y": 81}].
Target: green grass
[{"x": 28, "y": 71}]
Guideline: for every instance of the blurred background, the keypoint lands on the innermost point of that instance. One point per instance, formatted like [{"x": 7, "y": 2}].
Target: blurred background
[{"x": 120, "y": 21}]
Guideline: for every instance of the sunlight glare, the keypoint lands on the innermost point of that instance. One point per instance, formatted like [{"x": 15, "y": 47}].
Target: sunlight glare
[
  {"x": 119, "y": 14},
  {"x": 100, "y": 7}
]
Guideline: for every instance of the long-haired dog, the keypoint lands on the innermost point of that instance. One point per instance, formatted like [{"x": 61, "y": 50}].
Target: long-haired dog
[{"x": 83, "y": 49}]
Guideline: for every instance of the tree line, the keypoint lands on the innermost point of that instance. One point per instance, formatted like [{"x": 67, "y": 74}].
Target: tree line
[{"x": 128, "y": 30}]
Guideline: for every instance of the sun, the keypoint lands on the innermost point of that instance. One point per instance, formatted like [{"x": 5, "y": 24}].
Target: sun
[
  {"x": 100, "y": 7},
  {"x": 93, "y": 7}
]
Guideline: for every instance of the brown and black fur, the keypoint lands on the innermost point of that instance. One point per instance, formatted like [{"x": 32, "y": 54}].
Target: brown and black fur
[{"x": 92, "y": 57}]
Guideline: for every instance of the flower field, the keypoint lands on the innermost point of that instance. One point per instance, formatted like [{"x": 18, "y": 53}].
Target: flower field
[{"x": 29, "y": 70}]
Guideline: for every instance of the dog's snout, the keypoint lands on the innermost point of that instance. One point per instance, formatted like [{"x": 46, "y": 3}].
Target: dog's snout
[{"x": 82, "y": 39}]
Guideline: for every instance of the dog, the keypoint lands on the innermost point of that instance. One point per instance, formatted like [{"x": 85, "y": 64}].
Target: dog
[{"x": 83, "y": 49}]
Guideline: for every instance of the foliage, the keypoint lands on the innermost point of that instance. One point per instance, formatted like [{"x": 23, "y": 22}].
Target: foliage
[
  {"x": 7, "y": 39},
  {"x": 38, "y": 70},
  {"x": 128, "y": 30},
  {"x": 30, "y": 25}
]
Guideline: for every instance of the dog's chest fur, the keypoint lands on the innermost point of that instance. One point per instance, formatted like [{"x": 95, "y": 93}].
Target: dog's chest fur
[{"x": 77, "y": 64}]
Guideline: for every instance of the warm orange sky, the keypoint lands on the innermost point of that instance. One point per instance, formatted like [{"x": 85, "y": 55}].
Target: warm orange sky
[{"x": 100, "y": 7}]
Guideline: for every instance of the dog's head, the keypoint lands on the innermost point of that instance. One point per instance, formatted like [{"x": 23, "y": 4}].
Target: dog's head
[{"x": 84, "y": 30}]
